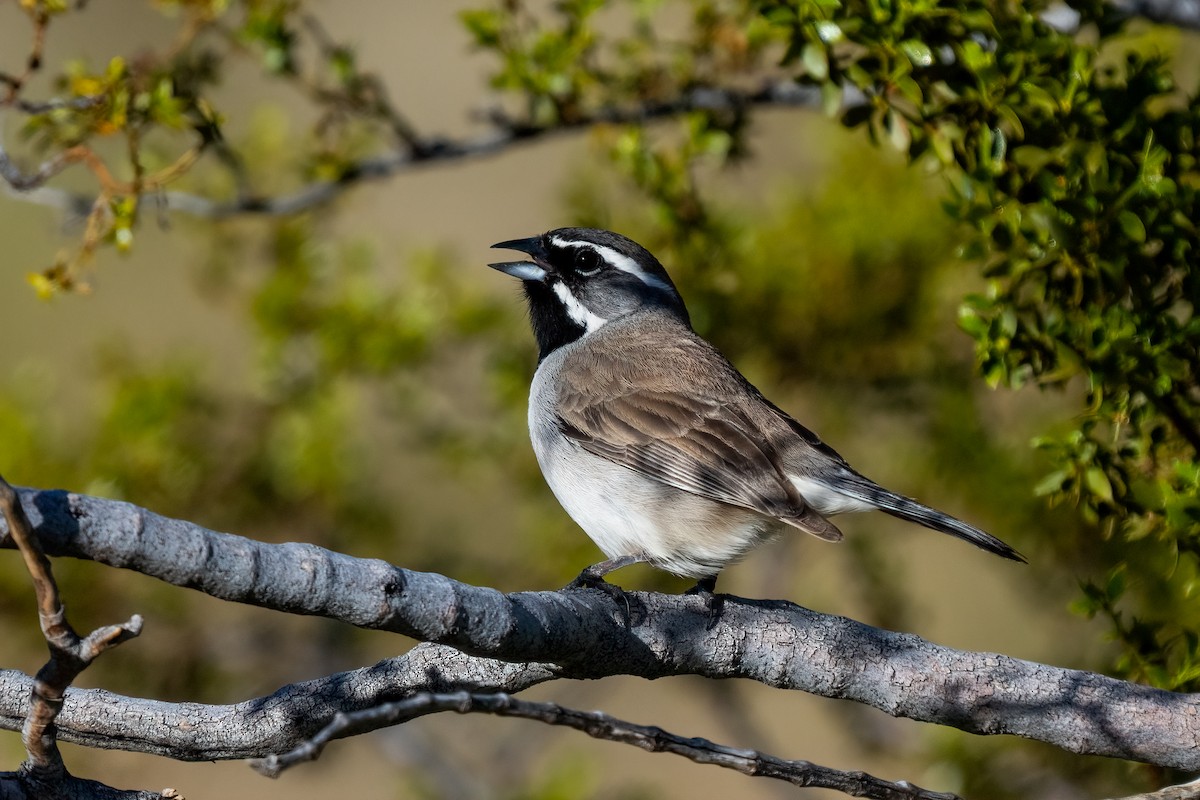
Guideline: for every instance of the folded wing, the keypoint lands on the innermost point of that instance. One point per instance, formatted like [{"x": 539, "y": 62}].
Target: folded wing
[{"x": 686, "y": 440}]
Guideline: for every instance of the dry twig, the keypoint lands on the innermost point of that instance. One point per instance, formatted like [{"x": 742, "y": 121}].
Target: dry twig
[
  {"x": 599, "y": 726},
  {"x": 43, "y": 773}
]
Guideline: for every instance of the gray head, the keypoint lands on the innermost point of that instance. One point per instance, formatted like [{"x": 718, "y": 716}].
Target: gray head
[{"x": 578, "y": 279}]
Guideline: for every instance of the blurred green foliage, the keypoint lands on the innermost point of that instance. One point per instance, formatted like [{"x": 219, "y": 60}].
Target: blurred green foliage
[{"x": 1065, "y": 163}]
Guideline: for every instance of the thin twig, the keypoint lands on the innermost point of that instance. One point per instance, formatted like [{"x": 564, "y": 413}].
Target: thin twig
[
  {"x": 81, "y": 103},
  {"x": 599, "y": 726},
  {"x": 371, "y": 95},
  {"x": 33, "y": 62},
  {"x": 24, "y": 181}
]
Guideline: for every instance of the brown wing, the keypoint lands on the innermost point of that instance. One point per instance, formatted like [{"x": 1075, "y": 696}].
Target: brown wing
[{"x": 701, "y": 441}]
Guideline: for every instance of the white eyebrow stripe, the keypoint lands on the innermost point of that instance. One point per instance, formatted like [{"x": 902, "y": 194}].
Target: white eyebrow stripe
[
  {"x": 576, "y": 310},
  {"x": 619, "y": 261}
]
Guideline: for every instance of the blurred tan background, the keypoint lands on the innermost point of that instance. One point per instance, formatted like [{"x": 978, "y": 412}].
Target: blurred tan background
[{"x": 154, "y": 305}]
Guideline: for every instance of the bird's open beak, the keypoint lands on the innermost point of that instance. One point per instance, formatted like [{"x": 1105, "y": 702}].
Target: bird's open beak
[{"x": 525, "y": 270}]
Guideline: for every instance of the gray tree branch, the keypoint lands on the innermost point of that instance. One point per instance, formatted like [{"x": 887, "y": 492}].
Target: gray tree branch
[
  {"x": 264, "y": 725},
  {"x": 581, "y": 634},
  {"x": 1184, "y": 791}
]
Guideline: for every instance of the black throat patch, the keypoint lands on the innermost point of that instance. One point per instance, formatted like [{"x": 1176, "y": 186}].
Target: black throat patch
[{"x": 552, "y": 326}]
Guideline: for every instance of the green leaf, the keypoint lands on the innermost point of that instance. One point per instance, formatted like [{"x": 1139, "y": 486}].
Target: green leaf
[
  {"x": 917, "y": 52},
  {"x": 898, "y": 131},
  {"x": 1147, "y": 493},
  {"x": 831, "y": 98},
  {"x": 1032, "y": 158},
  {"x": 970, "y": 321},
  {"x": 1098, "y": 484},
  {"x": 815, "y": 60},
  {"x": 1115, "y": 587},
  {"x": 910, "y": 90},
  {"x": 943, "y": 147},
  {"x": 974, "y": 56},
  {"x": 484, "y": 24},
  {"x": 1051, "y": 484},
  {"x": 829, "y": 32},
  {"x": 1131, "y": 224}
]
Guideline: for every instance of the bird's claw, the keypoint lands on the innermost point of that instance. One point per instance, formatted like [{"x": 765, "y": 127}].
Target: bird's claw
[
  {"x": 715, "y": 603},
  {"x": 588, "y": 579}
]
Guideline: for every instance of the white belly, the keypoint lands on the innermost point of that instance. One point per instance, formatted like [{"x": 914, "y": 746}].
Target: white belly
[{"x": 626, "y": 513}]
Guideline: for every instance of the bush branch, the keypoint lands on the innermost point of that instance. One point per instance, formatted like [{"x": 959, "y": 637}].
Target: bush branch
[
  {"x": 419, "y": 152},
  {"x": 598, "y": 725}
]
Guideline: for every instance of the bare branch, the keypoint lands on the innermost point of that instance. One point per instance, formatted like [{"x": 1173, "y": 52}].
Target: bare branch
[
  {"x": 271, "y": 724},
  {"x": 78, "y": 789},
  {"x": 1185, "y": 791},
  {"x": 33, "y": 61},
  {"x": 364, "y": 93},
  {"x": 599, "y": 725},
  {"x": 582, "y": 634},
  {"x": 43, "y": 774},
  {"x": 81, "y": 103},
  {"x": 21, "y": 181},
  {"x": 427, "y": 151}
]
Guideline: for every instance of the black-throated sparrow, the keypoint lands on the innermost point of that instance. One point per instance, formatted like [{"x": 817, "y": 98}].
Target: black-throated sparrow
[{"x": 652, "y": 441}]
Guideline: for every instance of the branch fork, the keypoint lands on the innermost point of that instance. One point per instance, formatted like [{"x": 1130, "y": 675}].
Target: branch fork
[{"x": 43, "y": 773}]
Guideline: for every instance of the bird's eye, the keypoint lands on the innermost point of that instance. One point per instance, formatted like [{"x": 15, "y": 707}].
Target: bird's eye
[{"x": 587, "y": 261}]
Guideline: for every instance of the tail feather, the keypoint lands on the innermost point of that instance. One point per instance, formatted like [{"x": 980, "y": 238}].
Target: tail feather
[{"x": 910, "y": 510}]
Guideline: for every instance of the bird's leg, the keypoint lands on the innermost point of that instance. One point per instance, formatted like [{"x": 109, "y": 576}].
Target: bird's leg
[
  {"x": 593, "y": 578},
  {"x": 707, "y": 589}
]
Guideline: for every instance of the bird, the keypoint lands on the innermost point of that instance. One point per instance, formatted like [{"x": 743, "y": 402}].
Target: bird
[{"x": 652, "y": 441}]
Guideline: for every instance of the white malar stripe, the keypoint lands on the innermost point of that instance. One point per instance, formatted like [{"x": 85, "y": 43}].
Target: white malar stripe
[
  {"x": 825, "y": 499},
  {"x": 619, "y": 261},
  {"x": 576, "y": 310}
]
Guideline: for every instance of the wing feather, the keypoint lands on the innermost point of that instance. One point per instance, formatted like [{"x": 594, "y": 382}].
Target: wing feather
[{"x": 699, "y": 441}]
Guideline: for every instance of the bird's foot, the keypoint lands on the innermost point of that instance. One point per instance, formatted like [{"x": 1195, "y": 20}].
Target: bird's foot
[
  {"x": 591, "y": 578},
  {"x": 586, "y": 579},
  {"x": 715, "y": 603}
]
